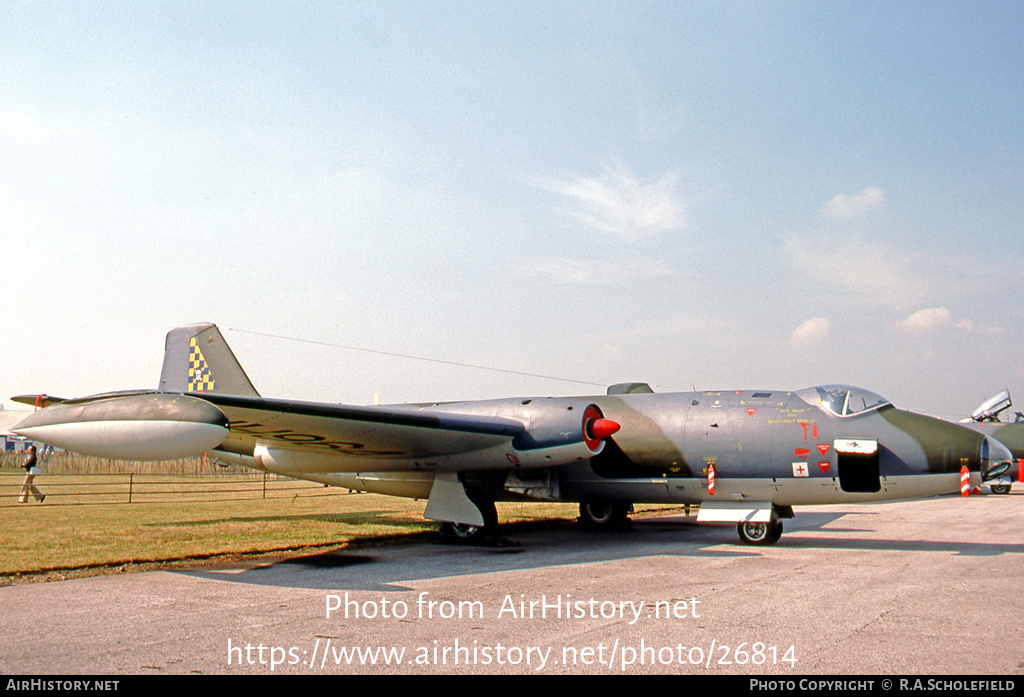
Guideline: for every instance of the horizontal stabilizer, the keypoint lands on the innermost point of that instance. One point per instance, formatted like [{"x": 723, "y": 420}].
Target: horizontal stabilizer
[{"x": 37, "y": 400}]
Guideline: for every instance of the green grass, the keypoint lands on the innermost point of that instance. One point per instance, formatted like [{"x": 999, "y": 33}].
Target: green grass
[{"x": 87, "y": 526}]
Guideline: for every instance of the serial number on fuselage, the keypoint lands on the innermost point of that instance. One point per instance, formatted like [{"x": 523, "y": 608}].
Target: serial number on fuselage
[{"x": 309, "y": 440}]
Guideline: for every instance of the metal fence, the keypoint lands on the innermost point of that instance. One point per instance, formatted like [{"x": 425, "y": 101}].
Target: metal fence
[
  {"x": 131, "y": 488},
  {"x": 63, "y": 462}
]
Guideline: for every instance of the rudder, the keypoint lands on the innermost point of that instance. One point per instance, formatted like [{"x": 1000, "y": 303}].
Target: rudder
[{"x": 198, "y": 359}]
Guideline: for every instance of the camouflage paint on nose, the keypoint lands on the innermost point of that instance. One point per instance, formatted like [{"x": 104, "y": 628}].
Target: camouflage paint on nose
[{"x": 947, "y": 446}]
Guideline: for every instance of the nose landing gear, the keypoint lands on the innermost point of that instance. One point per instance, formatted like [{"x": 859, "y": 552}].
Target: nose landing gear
[{"x": 760, "y": 533}]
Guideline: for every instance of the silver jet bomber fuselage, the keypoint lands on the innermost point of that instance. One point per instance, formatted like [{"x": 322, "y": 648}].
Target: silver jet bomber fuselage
[{"x": 746, "y": 456}]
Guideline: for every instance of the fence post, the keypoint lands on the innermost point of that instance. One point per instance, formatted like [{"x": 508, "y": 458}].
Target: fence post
[
  {"x": 131, "y": 479},
  {"x": 264, "y": 485}
]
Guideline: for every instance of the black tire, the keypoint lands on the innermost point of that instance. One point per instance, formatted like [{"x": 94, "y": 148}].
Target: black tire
[
  {"x": 464, "y": 533},
  {"x": 1001, "y": 488},
  {"x": 604, "y": 515},
  {"x": 760, "y": 533}
]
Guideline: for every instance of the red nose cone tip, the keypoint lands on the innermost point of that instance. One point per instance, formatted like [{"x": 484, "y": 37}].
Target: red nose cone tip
[{"x": 603, "y": 428}]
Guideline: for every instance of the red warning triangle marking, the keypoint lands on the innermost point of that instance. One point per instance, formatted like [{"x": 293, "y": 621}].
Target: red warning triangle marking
[
  {"x": 750, "y": 412},
  {"x": 823, "y": 449},
  {"x": 824, "y": 466}
]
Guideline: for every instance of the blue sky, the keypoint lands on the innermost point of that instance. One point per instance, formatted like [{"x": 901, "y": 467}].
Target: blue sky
[{"x": 710, "y": 195}]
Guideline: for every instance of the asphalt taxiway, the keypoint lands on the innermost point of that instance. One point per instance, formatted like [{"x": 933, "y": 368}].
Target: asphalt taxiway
[{"x": 921, "y": 587}]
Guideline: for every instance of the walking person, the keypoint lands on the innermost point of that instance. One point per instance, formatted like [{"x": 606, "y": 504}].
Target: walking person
[{"x": 31, "y": 470}]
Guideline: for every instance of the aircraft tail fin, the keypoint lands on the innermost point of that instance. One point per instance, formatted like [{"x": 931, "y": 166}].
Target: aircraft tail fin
[{"x": 198, "y": 359}]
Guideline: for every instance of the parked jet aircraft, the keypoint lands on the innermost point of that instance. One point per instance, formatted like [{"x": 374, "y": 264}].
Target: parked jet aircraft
[
  {"x": 985, "y": 419},
  {"x": 746, "y": 456}
]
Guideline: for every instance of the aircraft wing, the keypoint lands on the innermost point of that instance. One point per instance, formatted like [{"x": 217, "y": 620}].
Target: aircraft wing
[
  {"x": 361, "y": 432},
  {"x": 206, "y": 402},
  {"x": 155, "y": 425}
]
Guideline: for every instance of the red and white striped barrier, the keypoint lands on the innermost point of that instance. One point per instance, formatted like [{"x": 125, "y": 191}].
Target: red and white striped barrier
[
  {"x": 711, "y": 480},
  {"x": 965, "y": 481}
]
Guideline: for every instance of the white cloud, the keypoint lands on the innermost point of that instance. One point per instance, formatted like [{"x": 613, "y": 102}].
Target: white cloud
[
  {"x": 933, "y": 319},
  {"x": 622, "y": 205},
  {"x": 811, "y": 333},
  {"x": 844, "y": 206},
  {"x": 926, "y": 321}
]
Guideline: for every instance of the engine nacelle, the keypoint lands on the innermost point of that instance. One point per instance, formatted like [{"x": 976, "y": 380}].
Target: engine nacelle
[
  {"x": 557, "y": 432},
  {"x": 551, "y": 422}
]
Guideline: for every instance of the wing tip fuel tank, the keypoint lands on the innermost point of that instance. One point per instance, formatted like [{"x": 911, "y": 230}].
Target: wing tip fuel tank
[{"x": 145, "y": 426}]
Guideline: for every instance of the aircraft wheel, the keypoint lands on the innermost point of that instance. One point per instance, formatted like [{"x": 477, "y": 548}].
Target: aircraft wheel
[
  {"x": 760, "y": 533},
  {"x": 464, "y": 533},
  {"x": 461, "y": 532},
  {"x": 603, "y": 514},
  {"x": 1000, "y": 488}
]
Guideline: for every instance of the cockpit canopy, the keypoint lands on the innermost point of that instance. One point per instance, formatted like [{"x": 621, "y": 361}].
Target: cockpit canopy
[{"x": 843, "y": 400}]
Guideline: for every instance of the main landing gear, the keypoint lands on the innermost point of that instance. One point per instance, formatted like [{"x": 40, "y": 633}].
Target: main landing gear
[
  {"x": 462, "y": 533},
  {"x": 604, "y": 515},
  {"x": 485, "y": 535}
]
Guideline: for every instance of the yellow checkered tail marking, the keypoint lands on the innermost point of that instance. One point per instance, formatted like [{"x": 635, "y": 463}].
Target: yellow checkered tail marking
[{"x": 199, "y": 377}]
